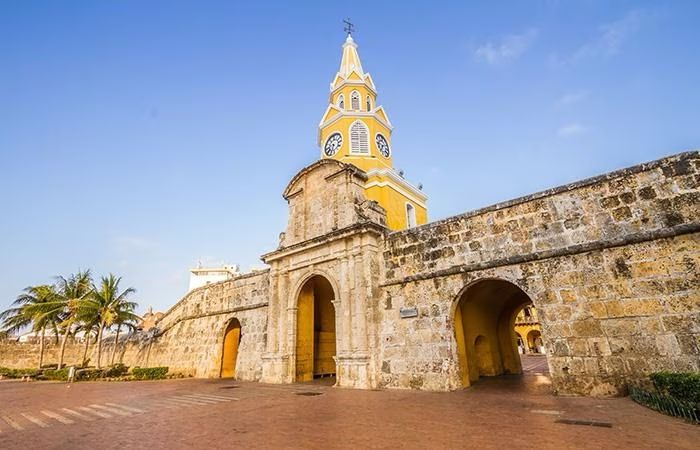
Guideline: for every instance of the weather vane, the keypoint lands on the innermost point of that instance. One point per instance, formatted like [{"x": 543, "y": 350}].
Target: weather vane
[{"x": 349, "y": 26}]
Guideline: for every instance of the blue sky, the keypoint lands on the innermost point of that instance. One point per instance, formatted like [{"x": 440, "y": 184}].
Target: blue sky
[{"x": 140, "y": 137}]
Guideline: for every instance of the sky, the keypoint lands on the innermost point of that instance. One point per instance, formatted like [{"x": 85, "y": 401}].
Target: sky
[{"x": 139, "y": 138}]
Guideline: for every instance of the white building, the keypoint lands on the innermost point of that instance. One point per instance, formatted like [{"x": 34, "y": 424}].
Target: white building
[{"x": 201, "y": 276}]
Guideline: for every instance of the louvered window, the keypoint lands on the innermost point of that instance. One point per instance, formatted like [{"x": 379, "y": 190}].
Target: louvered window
[
  {"x": 341, "y": 101},
  {"x": 369, "y": 104},
  {"x": 359, "y": 140},
  {"x": 355, "y": 100}
]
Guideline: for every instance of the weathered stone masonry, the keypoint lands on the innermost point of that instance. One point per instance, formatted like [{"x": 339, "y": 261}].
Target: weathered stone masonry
[
  {"x": 191, "y": 333},
  {"x": 611, "y": 263}
]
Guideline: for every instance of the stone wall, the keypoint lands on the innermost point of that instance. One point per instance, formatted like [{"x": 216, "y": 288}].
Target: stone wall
[
  {"x": 611, "y": 263},
  {"x": 190, "y": 337},
  {"x": 25, "y": 355},
  {"x": 191, "y": 332},
  {"x": 334, "y": 233}
]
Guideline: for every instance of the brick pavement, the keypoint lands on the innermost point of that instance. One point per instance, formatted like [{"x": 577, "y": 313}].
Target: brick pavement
[
  {"x": 534, "y": 364},
  {"x": 513, "y": 411}
]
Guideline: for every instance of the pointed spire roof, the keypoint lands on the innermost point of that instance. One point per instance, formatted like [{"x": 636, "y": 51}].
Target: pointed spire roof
[{"x": 351, "y": 60}]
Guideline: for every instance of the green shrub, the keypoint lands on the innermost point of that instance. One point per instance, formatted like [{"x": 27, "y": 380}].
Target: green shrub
[
  {"x": 149, "y": 373},
  {"x": 683, "y": 386},
  {"x": 56, "y": 374},
  {"x": 115, "y": 371},
  {"x": 18, "y": 373},
  {"x": 88, "y": 374}
]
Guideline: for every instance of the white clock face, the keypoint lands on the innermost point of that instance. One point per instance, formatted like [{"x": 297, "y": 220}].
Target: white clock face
[
  {"x": 333, "y": 144},
  {"x": 382, "y": 145}
]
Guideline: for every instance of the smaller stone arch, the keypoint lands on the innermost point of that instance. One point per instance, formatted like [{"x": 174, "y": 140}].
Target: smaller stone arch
[
  {"x": 484, "y": 316},
  {"x": 230, "y": 346},
  {"x": 456, "y": 299},
  {"x": 534, "y": 341},
  {"x": 521, "y": 342}
]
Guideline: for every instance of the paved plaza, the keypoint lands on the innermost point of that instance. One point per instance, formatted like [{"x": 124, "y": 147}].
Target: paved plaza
[{"x": 516, "y": 411}]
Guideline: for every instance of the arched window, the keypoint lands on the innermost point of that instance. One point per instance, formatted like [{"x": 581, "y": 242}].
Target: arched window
[
  {"x": 369, "y": 104},
  {"x": 359, "y": 140},
  {"x": 341, "y": 101},
  {"x": 355, "y": 100},
  {"x": 410, "y": 215}
]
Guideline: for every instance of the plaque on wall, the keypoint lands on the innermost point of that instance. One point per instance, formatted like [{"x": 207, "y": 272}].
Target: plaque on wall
[{"x": 405, "y": 313}]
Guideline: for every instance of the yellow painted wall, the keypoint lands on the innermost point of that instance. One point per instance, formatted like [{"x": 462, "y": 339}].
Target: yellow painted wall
[
  {"x": 395, "y": 205},
  {"x": 376, "y": 121},
  {"x": 346, "y": 91},
  {"x": 364, "y": 162},
  {"x": 316, "y": 339},
  {"x": 324, "y": 329},
  {"x": 305, "y": 334},
  {"x": 462, "y": 359},
  {"x": 232, "y": 338}
]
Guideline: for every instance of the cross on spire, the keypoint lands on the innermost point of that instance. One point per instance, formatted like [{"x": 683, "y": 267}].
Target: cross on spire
[{"x": 349, "y": 27}]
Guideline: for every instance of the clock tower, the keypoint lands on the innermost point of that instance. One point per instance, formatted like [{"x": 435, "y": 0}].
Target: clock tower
[{"x": 356, "y": 130}]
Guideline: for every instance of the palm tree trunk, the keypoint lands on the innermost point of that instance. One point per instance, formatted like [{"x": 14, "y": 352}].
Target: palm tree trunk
[
  {"x": 63, "y": 347},
  {"x": 41, "y": 347},
  {"x": 87, "y": 344},
  {"x": 116, "y": 343},
  {"x": 99, "y": 344}
]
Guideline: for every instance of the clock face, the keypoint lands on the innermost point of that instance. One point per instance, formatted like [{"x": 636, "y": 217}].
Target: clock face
[
  {"x": 333, "y": 144},
  {"x": 382, "y": 145}
]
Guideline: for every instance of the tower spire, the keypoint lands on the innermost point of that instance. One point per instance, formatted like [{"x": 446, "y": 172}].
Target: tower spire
[
  {"x": 355, "y": 130},
  {"x": 351, "y": 59}
]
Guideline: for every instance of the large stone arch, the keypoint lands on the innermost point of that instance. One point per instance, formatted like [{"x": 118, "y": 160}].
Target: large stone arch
[
  {"x": 315, "y": 338},
  {"x": 304, "y": 278}
]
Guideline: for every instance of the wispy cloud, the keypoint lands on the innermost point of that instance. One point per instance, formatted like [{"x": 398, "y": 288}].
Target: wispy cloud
[
  {"x": 608, "y": 41},
  {"x": 571, "y": 129},
  {"x": 572, "y": 97},
  {"x": 507, "y": 48}
]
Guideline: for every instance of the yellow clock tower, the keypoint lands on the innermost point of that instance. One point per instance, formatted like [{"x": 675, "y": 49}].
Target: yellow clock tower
[{"x": 355, "y": 130}]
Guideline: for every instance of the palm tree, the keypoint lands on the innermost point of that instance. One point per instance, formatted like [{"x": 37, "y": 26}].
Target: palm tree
[
  {"x": 88, "y": 324},
  {"x": 125, "y": 317},
  {"x": 26, "y": 311},
  {"x": 106, "y": 301},
  {"x": 68, "y": 304}
]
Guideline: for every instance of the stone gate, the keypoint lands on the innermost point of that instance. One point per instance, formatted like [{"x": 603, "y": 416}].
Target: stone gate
[{"x": 611, "y": 263}]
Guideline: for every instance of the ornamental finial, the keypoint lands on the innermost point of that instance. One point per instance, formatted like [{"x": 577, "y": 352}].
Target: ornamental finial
[{"x": 349, "y": 27}]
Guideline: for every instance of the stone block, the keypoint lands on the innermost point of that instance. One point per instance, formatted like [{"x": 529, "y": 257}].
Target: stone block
[
  {"x": 620, "y": 327},
  {"x": 667, "y": 345},
  {"x": 586, "y": 328}
]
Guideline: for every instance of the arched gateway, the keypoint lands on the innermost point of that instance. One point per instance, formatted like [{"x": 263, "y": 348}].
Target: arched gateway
[
  {"x": 229, "y": 354},
  {"x": 484, "y": 319},
  {"x": 315, "y": 343}
]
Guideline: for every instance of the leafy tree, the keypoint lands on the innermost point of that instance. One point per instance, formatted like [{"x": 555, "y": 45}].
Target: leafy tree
[
  {"x": 28, "y": 309},
  {"x": 88, "y": 324},
  {"x": 68, "y": 305},
  {"x": 125, "y": 317},
  {"x": 107, "y": 303}
]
